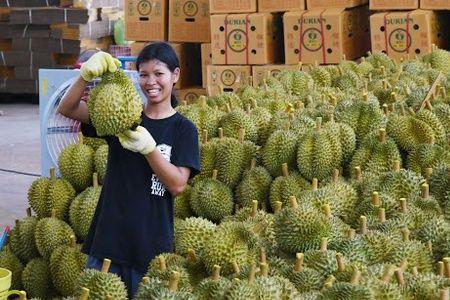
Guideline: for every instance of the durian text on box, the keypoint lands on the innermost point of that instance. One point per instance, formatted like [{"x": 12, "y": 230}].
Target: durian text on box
[
  {"x": 325, "y": 35},
  {"x": 245, "y": 39},
  {"x": 405, "y": 34},
  {"x": 145, "y": 20}
]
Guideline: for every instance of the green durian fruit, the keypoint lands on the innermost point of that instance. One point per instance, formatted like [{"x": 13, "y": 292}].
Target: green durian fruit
[
  {"x": 442, "y": 111},
  {"x": 101, "y": 161},
  {"x": 114, "y": 104},
  {"x": 165, "y": 270},
  {"x": 94, "y": 143},
  {"x": 261, "y": 117},
  {"x": 240, "y": 289},
  {"x": 155, "y": 288},
  {"x": 181, "y": 206},
  {"x": 37, "y": 280},
  {"x": 10, "y": 261},
  {"x": 347, "y": 291},
  {"x": 439, "y": 183},
  {"x": 433, "y": 121},
  {"x": 304, "y": 278},
  {"x": 298, "y": 82},
  {"x": 439, "y": 59},
  {"x": 427, "y": 156},
  {"x": 320, "y": 76},
  {"x": 401, "y": 184},
  {"x": 437, "y": 231},
  {"x": 229, "y": 160},
  {"x": 234, "y": 121},
  {"x": 192, "y": 233},
  {"x": 66, "y": 264},
  {"x": 221, "y": 100},
  {"x": 207, "y": 155},
  {"x": 255, "y": 185},
  {"x": 22, "y": 239},
  {"x": 280, "y": 148}
]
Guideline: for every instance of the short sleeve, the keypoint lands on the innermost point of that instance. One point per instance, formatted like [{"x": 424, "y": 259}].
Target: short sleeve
[{"x": 186, "y": 150}]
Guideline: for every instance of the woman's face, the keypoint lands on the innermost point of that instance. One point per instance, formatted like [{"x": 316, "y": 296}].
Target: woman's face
[{"x": 156, "y": 80}]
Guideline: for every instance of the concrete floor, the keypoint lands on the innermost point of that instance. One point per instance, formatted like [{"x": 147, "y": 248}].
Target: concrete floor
[{"x": 19, "y": 151}]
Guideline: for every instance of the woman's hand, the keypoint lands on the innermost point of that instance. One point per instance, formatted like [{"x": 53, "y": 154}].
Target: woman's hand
[
  {"x": 139, "y": 140},
  {"x": 99, "y": 63}
]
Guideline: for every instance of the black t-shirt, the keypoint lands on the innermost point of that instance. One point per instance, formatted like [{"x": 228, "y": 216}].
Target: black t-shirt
[{"x": 133, "y": 221}]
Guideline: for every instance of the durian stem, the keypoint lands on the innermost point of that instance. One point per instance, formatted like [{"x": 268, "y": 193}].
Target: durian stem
[
  {"x": 293, "y": 202},
  {"x": 428, "y": 173},
  {"x": 430, "y": 247},
  {"x": 191, "y": 256},
  {"x": 202, "y": 101},
  {"x": 425, "y": 191},
  {"x": 443, "y": 92},
  {"x": 236, "y": 268},
  {"x": 444, "y": 294},
  {"x": 80, "y": 138},
  {"x": 105, "y": 266},
  {"x": 252, "y": 274},
  {"x": 145, "y": 280},
  {"x": 363, "y": 224},
  {"x": 253, "y": 164},
  {"x": 397, "y": 166},
  {"x": 340, "y": 262},
  {"x": 285, "y": 170},
  {"x": 446, "y": 261},
  {"x": 376, "y": 199},
  {"x": 84, "y": 294},
  {"x": 28, "y": 212},
  {"x": 335, "y": 177},
  {"x": 382, "y": 135},
  {"x": 228, "y": 107},
  {"x": 403, "y": 265},
  {"x": 277, "y": 206},
  {"x": 315, "y": 184},
  {"x": 53, "y": 213},
  {"x": 366, "y": 97},
  {"x": 23, "y": 295},
  {"x": 52, "y": 173},
  {"x": 254, "y": 208},
  {"x": 382, "y": 215},
  {"x": 162, "y": 263},
  {"x": 405, "y": 234},
  {"x": 72, "y": 241},
  {"x": 385, "y": 85},
  {"x": 403, "y": 206},
  {"x": 262, "y": 255},
  {"x": 220, "y": 132},
  {"x": 440, "y": 269},
  {"x": 216, "y": 273},
  {"x": 241, "y": 134},
  {"x": 264, "y": 269},
  {"x": 214, "y": 174},
  {"x": 388, "y": 273},
  {"x": 356, "y": 276},
  {"x": 358, "y": 173},
  {"x": 318, "y": 123},
  {"x": 95, "y": 180},
  {"x": 399, "y": 276},
  {"x": 415, "y": 271},
  {"x": 327, "y": 210},
  {"x": 323, "y": 244},
  {"x": 394, "y": 97},
  {"x": 351, "y": 233},
  {"x": 299, "y": 258},
  {"x": 385, "y": 109},
  {"x": 173, "y": 282},
  {"x": 204, "y": 136}
]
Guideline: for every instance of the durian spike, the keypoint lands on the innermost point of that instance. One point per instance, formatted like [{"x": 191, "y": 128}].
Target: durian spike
[
  {"x": 236, "y": 268},
  {"x": 440, "y": 269},
  {"x": 254, "y": 208},
  {"x": 299, "y": 105},
  {"x": 444, "y": 294},
  {"x": 277, "y": 206},
  {"x": 105, "y": 266},
  {"x": 204, "y": 136},
  {"x": 382, "y": 215},
  {"x": 80, "y": 138},
  {"x": 52, "y": 173},
  {"x": 262, "y": 255},
  {"x": 23, "y": 295},
  {"x": 415, "y": 271},
  {"x": 214, "y": 174},
  {"x": 327, "y": 210},
  {"x": 173, "y": 282},
  {"x": 253, "y": 164},
  {"x": 335, "y": 177},
  {"x": 191, "y": 256},
  {"x": 358, "y": 173},
  {"x": 363, "y": 225},
  {"x": 162, "y": 263},
  {"x": 285, "y": 170},
  {"x": 382, "y": 135},
  {"x": 72, "y": 241},
  {"x": 53, "y": 213},
  {"x": 388, "y": 272},
  {"x": 95, "y": 180},
  {"x": 216, "y": 273},
  {"x": 299, "y": 258},
  {"x": 264, "y": 269},
  {"x": 397, "y": 166},
  {"x": 146, "y": 280},
  {"x": 293, "y": 202},
  {"x": 399, "y": 276},
  {"x": 315, "y": 184},
  {"x": 385, "y": 109},
  {"x": 356, "y": 276},
  {"x": 376, "y": 199},
  {"x": 85, "y": 293},
  {"x": 428, "y": 173},
  {"x": 323, "y": 244},
  {"x": 28, "y": 212},
  {"x": 220, "y": 132},
  {"x": 329, "y": 282},
  {"x": 340, "y": 262},
  {"x": 351, "y": 233},
  {"x": 241, "y": 134},
  {"x": 446, "y": 261},
  {"x": 318, "y": 123},
  {"x": 405, "y": 234},
  {"x": 403, "y": 206},
  {"x": 252, "y": 274},
  {"x": 425, "y": 191}
]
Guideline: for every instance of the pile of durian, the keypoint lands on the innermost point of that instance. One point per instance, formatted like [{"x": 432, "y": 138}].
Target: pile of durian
[{"x": 329, "y": 183}]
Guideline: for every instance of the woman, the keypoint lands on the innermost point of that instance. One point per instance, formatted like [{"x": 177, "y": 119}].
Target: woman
[{"x": 146, "y": 169}]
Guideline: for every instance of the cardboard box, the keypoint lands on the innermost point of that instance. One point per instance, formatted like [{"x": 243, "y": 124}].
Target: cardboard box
[
  {"x": 226, "y": 78},
  {"x": 324, "y": 36},
  {"x": 190, "y": 95},
  {"x": 146, "y": 20},
  {"x": 390, "y": 5},
  {"x": 259, "y": 73},
  {"x": 189, "y": 21},
  {"x": 245, "y": 39},
  {"x": 315, "y": 4},
  {"x": 24, "y": 31},
  {"x": 28, "y": 3},
  {"x": 206, "y": 60},
  {"x": 232, "y": 6},
  {"x": 52, "y": 15},
  {"x": 91, "y": 30},
  {"x": 406, "y": 34},
  {"x": 19, "y": 86},
  {"x": 280, "y": 5},
  {"x": 90, "y": 3},
  {"x": 59, "y": 45},
  {"x": 189, "y": 58},
  {"x": 435, "y": 4}
]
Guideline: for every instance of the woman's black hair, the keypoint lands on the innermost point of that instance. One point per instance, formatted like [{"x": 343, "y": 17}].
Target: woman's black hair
[{"x": 163, "y": 52}]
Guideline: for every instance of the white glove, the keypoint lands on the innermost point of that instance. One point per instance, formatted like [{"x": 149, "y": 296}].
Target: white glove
[
  {"x": 139, "y": 140},
  {"x": 98, "y": 64}
]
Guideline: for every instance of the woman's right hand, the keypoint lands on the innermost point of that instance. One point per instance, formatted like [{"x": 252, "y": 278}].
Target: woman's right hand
[{"x": 99, "y": 63}]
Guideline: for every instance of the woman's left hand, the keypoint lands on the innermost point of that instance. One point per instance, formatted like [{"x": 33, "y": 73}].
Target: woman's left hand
[{"x": 139, "y": 140}]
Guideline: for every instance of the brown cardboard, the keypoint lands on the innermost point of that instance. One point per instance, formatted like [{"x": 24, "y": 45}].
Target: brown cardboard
[
  {"x": 189, "y": 58},
  {"x": 146, "y": 20},
  {"x": 393, "y": 5},
  {"x": 91, "y": 30},
  {"x": 259, "y": 73},
  {"x": 24, "y": 31},
  {"x": 31, "y": 59},
  {"x": 405, "y": 34},
  {"x": 435, "y": 4},
  {"x": 6, "y": 45},
  {"x": 19, "y": 86},
  {"x": 315, "y": 4},
  {"x": 245, "y": 39},
  {"x": 28, "y": 3},
  {"x": 51, "y": 15},
  {"x": 325, "y": 35},
  {"x": 189, "y": 21},
  {"x": 60, "y": 45},
  {"x": 90, "y": 3},
  {"x": 190, "y": 95},
  {"x": 280, "y": 5},
  {"x": 206, "y": 60},
  {"x": 232, "y": 6},
  {"x": 226, "y": 78}
]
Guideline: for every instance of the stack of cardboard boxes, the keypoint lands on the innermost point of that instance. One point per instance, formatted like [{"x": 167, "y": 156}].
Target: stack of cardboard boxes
[
  {"x": 184, "y": 23},
  {"x": 43, "y": 34},
  {"x": 404, "y": 29}
]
